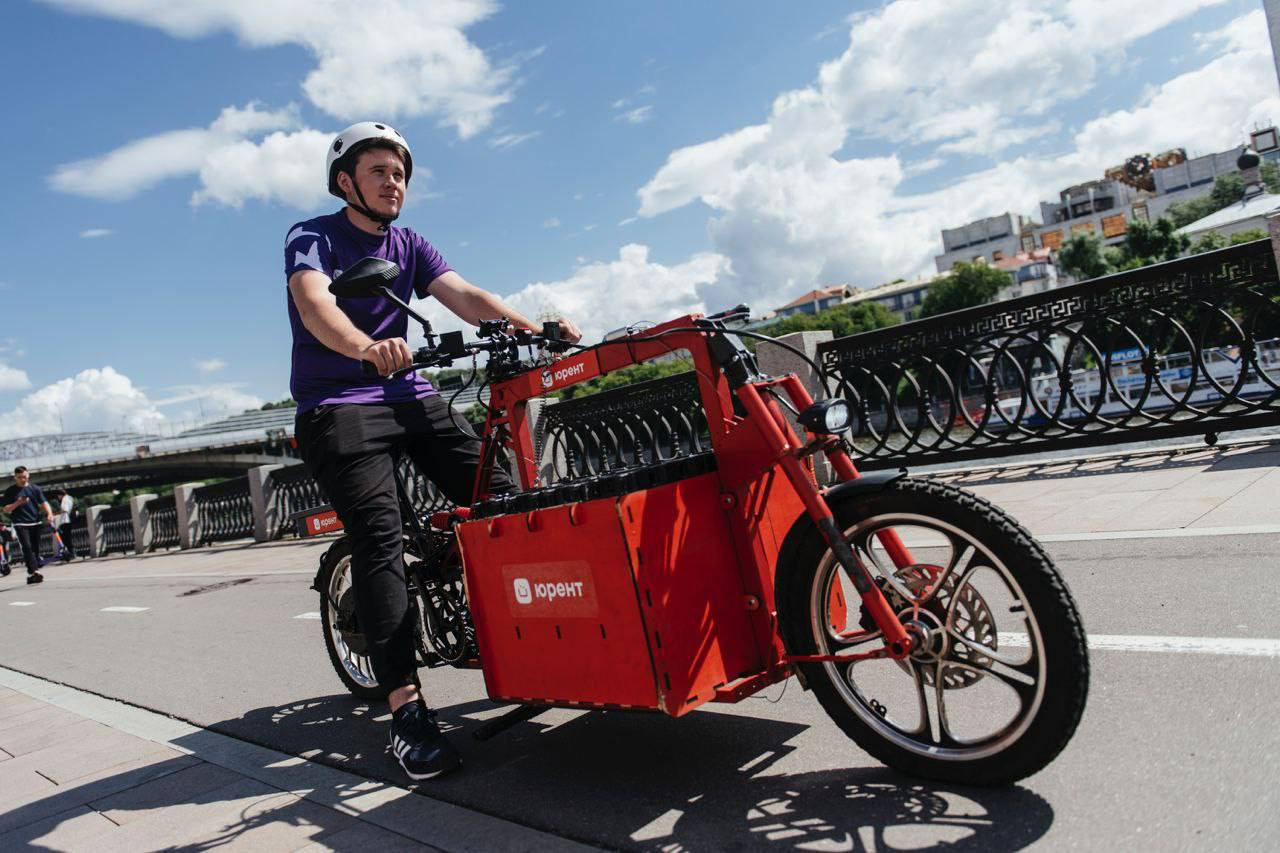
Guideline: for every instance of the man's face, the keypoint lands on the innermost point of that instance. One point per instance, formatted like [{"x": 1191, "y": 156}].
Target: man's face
[
  {"x": 380, "y": 176},
  {"x": 22, "y": 478}
]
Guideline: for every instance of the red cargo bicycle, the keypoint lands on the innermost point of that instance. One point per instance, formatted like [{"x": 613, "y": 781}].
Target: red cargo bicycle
[{"x": 932, "y": 628}]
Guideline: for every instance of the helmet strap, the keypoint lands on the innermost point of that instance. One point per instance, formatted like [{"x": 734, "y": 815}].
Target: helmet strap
[{"x": 383, "y": 220}]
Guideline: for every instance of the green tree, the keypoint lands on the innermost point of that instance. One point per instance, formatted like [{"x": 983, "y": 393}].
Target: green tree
[
  {"x": 286, "y": 403},
  {"x": 842, "y": 320},
  {"x": 1207, "y": 242},
  {"x": 1271, "y": 176},
  {"x": 1248, "y": 236},
  {"x": 1151, "y": 242},
  {"x": 627, "y": 376},
  {"x": 1082, "y": 257},
  {"x": 965, "y": 286}
]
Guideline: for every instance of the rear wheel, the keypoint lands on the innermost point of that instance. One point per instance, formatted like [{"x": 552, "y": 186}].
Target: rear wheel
[
  {"x": 997, "y": 682},
  {"x": 346, "y": 644}
]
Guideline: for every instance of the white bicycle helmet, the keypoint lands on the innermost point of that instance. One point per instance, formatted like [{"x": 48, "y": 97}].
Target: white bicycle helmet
[{"x": 346, "y": 148}]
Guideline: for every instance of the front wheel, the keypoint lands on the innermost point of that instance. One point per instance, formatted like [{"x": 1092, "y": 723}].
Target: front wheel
[
  {"x": 997, "y": 681},
  {"x": 345, "y": 642}
]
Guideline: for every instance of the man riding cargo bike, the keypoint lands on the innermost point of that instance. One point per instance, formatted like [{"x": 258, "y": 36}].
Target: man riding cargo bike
[
  {"x": 351, "y": 427},
  {"x": 652, "y": 564}
]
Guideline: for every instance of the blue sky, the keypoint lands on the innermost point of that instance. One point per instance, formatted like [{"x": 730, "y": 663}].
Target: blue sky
[{"x": 614, "y": 161}]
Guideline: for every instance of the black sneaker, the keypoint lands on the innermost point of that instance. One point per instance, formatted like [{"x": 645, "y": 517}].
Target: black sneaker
[
  {"x": 35, "y": 577},
  {"x": 4, "y": 571},
  {"x": 417, "y": 743}
]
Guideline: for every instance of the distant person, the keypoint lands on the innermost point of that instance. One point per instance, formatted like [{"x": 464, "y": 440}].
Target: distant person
[
  {"x": 62, "y": 523},
  {"x": 8, "y": 540},
  {"x": 25, "y": 504}
]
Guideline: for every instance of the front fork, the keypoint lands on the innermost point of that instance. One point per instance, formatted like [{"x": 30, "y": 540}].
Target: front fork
[{"x": 778, "y": 433}]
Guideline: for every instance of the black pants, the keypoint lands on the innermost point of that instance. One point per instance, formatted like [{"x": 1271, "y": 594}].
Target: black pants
[
  {"x": 65, "y": 532},
  {"x": 29, "y": 539},
  {"x": 351, "y": 449}
]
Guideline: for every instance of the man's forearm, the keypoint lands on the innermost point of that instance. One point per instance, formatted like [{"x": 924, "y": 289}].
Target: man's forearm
[
  {"x": 333, "y": 328},
  {"x": 487, "y": 306}
]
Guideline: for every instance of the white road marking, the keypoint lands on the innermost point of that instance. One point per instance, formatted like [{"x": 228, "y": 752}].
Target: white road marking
[
  {"x": 1166, "y": 533},
  {"x": 21, "y": 603},
  {"x": 123, "y": 609},
  {"x": 307, "y": 616},
  {"x": 1244, "y": 646},
  {"x": 187, "y": 575}
]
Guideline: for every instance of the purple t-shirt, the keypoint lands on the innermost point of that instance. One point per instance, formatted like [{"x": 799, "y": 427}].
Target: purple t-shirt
[{"x": 331, "y": 244}]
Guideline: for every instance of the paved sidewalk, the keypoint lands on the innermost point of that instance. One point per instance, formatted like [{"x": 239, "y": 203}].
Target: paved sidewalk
[
  {"x": 1192, "y": 490},
  {"x": 80, "y": 772}
]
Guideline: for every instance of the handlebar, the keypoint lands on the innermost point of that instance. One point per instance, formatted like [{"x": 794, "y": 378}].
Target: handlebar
[{"x": 495, "y": 339}]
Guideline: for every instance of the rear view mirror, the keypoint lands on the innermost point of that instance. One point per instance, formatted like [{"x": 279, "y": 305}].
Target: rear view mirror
[{"x": 367, "y": 277}]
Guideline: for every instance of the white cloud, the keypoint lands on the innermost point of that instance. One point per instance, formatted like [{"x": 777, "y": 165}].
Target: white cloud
[
  {"x": 210, "y": 365},
  {"x": 105, "y": 399},
  {"x": 93, "y": 399},
  {"x": 553, "y": 222},
  {"x": 511, "y": 140},
  {"x": 91, "y": 233},
  {"x": 283, "y": 167},
  {"x": 639, "y": 115},
  {"x": 13, "y": 379},
  {"x": 211, "y": 401},
  {"x": 388, "y": 58},
  {"x": 790, "y": 214},
  {"x": 233, "y": 165},
  {"x": 603, "y": 296}
]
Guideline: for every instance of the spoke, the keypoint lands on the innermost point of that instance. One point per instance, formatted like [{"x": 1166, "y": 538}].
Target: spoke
[
  {"x": 866, "y": 554},
  {"x": 958, "y": 593},
  {"x": 1020, "y": 677},
  {"x": 961, "y": 555},
  {"x": 991, "y": 653},
  {"x": 931, "y": 727}
]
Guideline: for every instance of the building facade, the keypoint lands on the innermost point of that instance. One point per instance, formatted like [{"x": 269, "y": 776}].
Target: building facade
[{"x": 989, "y": 239}]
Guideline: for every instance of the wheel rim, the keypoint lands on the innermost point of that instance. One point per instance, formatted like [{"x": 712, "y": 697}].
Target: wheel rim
[
  {"x": 978, "y": 642},
  {"x": 358, "y": 666}
]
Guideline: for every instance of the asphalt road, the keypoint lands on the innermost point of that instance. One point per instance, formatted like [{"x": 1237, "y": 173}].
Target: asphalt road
[{"x": 1177, "y": 750}]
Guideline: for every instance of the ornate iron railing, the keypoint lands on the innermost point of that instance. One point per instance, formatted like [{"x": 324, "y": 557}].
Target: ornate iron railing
[
  {"x": 641, "y": 424},
  {"x": 80, "y": 536},
  {"x": 292, "y": 489},
  {"x": 117, "y": 530},
  {"x": 162, "y": 514},
  {"x": 224, "y": 511},
  {"x": 1187, "y": 347}
]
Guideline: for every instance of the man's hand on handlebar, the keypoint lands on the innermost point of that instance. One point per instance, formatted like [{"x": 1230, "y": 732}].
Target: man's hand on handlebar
[
  {"x": 569, "y": 332},
  {"x": 388, "y": 356}
]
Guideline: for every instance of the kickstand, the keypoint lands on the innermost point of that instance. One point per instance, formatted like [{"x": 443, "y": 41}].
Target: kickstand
[{"x": 497, "y": 725}]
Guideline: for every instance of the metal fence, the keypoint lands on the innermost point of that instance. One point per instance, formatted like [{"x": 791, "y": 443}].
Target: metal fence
[
  {"x": 163, "y": 516},
  {"x": 80, "y": 536},
  {"x": 1187, "y": 347},
  {"x": 292, "y": 489},
  {"x": 117, "y": 530},
  {"x": 641, "y": 424},
  {"x": 224, "y": 511}
]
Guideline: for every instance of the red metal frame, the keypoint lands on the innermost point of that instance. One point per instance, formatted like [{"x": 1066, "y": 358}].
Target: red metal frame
[{"x": 663, "y": 598}]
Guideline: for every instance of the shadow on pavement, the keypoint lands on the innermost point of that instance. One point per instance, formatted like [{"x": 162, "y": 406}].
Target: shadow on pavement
[{"x": 645, "y": 781}]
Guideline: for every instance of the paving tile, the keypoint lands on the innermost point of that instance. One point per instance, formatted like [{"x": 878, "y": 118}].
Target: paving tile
[
  {"x": 1255, "y": 504},
  {"x": 12, "y": 701},
  {"x": 78, "y": 828},
  {"x": 4, "y": 756},
  {"x": 35, "y": 736},
  {"x": 45, "y": 716},
  {"x": 365, "y": 837},
  {"x": 145, "y": 800},
  {"x": 35, "y": 798},
  {"x": 245, "y": 815}
]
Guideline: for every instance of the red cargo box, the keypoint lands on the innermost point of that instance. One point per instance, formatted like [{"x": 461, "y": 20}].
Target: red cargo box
[{"x": 631, "y": 602}]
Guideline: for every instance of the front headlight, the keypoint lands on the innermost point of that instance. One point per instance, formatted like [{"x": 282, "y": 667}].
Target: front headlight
[{"x": 829, "y": 416}]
